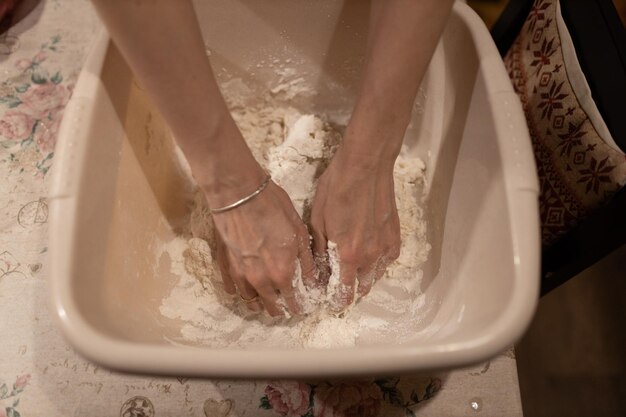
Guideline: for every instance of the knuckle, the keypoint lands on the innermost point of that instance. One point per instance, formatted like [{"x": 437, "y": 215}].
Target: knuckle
[
  {"x": 256, "y": 280},
  {"x": 386, "y": 217},
  {"x": 283, "y": 260},
  {"x": 283, "y": 272},
  {"x": 349, "y": 254},
  {"x": 285, "y": 267},
  {"x": 394, "y": 252},
  {"x": 281, "y": 281},
  {"x": 373, "y": 251}
]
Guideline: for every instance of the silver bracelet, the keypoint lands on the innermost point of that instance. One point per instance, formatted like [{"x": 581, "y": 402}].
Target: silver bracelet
[{"x": 245, "y": 199}]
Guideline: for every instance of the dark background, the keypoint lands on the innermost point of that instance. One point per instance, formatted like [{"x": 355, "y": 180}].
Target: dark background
[{"x": 572, "y": 360}]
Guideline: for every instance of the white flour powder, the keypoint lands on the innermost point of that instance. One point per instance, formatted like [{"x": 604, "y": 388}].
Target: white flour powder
[{"x": 295, "y": 148}]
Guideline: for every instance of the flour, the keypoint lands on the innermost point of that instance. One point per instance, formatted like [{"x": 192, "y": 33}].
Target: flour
[
  {"x": 296, "y": 163},
  {"x": 295, "y": 148}
]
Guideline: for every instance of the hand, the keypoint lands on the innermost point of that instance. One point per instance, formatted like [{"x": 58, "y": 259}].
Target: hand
[
  {"x": 259, "y": 244},
  {"x": 355, "y": 207}
]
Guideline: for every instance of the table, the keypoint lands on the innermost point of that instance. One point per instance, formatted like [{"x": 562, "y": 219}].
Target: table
[{"x": 40, "y": 59}]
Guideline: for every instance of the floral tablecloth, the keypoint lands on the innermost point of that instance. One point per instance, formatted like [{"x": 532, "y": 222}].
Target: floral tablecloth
[{"x": 40, "y": 375}]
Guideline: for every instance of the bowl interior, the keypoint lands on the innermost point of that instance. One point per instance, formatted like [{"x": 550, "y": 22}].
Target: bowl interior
[{"x": 134, "y": 193}]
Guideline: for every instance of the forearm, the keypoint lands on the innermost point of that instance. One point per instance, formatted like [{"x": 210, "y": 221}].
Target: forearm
[
  {"x": 403, "y": 36},
  {"x": 162, "y": 43}
]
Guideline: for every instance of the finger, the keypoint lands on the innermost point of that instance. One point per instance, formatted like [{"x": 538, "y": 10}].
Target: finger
[
  {"x": 290, "y": 295},
  {"x": 393, "y": 252},
  {"x": 269, "y": 298},
  {"x": 246, "y": 291},
  {"x": 319, "y": 241},
  {"x": 222, "y": 262},
  {"x": 320, "y": 255},
  {"x": 365, "y": 278},
  {"x": 307, "y": 263},
  {"x": 393, "y": 239},
  {"x": 368, "y": 276},
  {"x": 258, "y": 277},
  {"x": 282, "y": 270},
  {"x": 248, "y": 294},
  {"x": 342, "y": 292}
]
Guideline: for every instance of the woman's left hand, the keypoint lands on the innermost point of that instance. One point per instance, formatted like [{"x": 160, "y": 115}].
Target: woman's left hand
[{"x": 355, "y": 208}]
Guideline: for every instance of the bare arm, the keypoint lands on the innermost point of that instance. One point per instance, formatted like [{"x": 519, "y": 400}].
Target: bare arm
[
  {"x": 401, "y": 42},
  {"x": 162, "y": 42},
  {"x": 260, "y": 240},
  {"x": 355, "y": 203}
]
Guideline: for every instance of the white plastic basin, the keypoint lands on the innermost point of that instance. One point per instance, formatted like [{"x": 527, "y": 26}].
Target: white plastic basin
[{"x": 117, "y": 189}]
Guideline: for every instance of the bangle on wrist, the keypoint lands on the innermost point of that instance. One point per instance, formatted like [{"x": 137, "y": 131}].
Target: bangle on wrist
[{"x": 243, "y": 200}]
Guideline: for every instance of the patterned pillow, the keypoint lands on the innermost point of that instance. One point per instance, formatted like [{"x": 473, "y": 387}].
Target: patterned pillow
[{"x": 579, "y": 165}]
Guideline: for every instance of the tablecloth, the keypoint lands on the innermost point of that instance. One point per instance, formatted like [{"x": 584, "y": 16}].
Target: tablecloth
[{"x": 41, "y": 375}]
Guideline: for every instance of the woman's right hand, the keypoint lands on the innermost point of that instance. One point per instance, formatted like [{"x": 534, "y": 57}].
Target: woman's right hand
[
  {"x": 260, "y": 241},
  {"x": 259, "y": 244},
  {"x": 263, "y": 238}
]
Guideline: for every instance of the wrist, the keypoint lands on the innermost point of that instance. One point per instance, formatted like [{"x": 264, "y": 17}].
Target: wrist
[
  {"x": 356, "y": 158},
  {"x": 224, "y": 167},
  {"x": 372, "y": 148},
  {"x": 375, "y": 135},
  {"x": 229, "y": 186}
]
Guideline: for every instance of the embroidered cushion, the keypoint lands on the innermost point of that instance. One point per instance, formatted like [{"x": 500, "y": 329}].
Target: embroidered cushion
[{"x": 579, "y": 165}]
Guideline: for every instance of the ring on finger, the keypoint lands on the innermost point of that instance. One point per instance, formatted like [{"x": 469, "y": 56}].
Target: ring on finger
[{"x": 249, "y": 300}]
